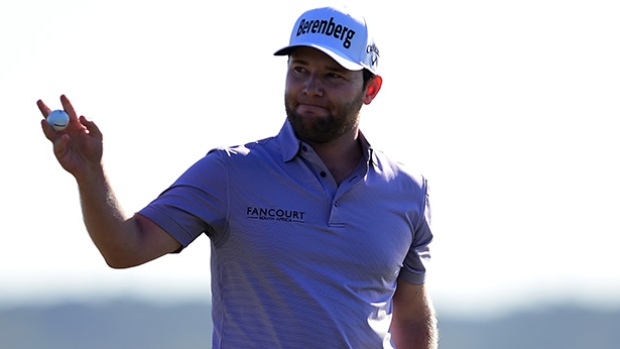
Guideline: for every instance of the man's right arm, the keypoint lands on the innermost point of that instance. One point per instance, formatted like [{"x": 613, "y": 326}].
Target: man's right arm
[{"x": 123, "y": 241}]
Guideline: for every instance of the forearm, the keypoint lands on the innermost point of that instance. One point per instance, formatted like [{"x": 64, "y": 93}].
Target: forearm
[
  {"x": 414, "y": 323},
  {"x": 421, "y": 334},
  {"x": 114, "y": 234}
]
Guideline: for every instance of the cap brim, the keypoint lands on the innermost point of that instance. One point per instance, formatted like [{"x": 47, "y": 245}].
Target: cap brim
[{"x": 345, "y": 63}]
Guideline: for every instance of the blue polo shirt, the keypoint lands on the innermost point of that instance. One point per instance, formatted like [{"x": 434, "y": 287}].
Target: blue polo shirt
[{"x": 298, "y": 261}]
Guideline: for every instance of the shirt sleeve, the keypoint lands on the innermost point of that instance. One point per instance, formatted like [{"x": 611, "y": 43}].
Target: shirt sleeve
[
  {"x": 196, "y": 202},
  {"x": 415, "y": 264}
]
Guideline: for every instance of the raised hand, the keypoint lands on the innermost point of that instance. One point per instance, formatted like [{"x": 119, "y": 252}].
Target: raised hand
[{"x": 79, "y": 147}]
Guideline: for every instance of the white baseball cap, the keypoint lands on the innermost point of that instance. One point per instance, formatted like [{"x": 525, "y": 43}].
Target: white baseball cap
[{"x": 337, "y": 32}]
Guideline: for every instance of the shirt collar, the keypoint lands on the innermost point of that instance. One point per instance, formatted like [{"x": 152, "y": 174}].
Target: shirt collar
[
  {"x": 369, "y": 153},
  {"x": 290, "y": 145}
]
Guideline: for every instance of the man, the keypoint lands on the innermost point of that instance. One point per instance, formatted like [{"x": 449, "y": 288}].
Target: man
[{"x": 318, "y": 240}]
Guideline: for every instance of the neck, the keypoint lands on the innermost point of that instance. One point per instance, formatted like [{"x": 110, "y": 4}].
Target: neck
[{"x": 341, "y": 155}]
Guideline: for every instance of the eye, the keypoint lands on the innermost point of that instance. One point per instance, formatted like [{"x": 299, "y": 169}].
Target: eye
[{"x": 335, "y": 76}]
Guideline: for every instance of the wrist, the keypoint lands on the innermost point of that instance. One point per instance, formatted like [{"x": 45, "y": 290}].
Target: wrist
[{"x": 91, "y": 175}]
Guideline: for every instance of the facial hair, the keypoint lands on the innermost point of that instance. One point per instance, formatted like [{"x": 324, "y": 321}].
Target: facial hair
[{"x": 342, "y": 118}]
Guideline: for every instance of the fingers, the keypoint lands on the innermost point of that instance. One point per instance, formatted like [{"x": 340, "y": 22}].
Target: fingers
[
  {"x": 45, "y": 111},
  {"x": 82, "y": 122},
  {"x": 68, "y": 107},
  {"x": 92, "y": 128},
  {"x": 48, "y": 131}
]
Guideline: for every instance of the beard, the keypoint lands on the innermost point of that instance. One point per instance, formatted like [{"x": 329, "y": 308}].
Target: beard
[{"x": 342, "y": 118}]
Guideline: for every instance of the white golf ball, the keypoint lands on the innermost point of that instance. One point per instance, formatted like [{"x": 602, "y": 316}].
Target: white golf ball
[{"x": 58, "y": 119}]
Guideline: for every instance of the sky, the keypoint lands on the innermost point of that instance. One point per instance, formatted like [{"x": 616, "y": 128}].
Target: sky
[{"x": 507, "y": 107}]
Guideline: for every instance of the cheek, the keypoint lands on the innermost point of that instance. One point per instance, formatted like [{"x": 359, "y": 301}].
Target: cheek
[
  {"x": 292, "y": 84},
  {"x": 289, "y": 88},
  {"x": 292, "y": 89},
  {"x": 290, "y": 81},
  {"x": 290, "y": 101}
]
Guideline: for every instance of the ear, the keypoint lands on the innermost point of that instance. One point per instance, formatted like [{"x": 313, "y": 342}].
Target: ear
[{"x": 373, "y": 87}]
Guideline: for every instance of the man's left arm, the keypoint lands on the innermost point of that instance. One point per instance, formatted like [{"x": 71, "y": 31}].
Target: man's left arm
[{"x": 414, "y": 323}]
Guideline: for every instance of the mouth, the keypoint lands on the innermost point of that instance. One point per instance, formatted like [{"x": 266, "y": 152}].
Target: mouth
[{"x": 310, "y": 109}]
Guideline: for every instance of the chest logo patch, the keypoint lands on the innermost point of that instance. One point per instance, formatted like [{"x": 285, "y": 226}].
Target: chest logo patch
[{"x": 275, "y": 214}]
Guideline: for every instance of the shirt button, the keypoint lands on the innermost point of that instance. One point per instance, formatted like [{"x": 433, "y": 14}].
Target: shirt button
[
  {"x": 323, "y": 174},
  {"x": 304, "y": 148}
]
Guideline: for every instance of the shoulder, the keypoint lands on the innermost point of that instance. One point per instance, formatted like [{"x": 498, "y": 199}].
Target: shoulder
[
  {"x": 248, "y": 157},
  {"x": 283, "y": 146},
  {"x": 244, "y": 150},
  {"x": 397, "y": 172},
  {"x": 223, "y": 164}
]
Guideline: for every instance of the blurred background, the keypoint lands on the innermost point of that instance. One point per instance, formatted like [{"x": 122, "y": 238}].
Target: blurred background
[{"x": 508, "y": 108}]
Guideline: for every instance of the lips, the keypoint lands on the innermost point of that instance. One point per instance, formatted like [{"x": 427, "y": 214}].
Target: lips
[{"x": 310, "y": 109}]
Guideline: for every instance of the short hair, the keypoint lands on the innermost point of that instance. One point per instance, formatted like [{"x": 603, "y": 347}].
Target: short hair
[{"x": 368, "y": 75}]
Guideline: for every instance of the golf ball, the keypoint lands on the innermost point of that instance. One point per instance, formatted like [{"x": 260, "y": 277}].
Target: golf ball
[{"x": 58, "y": 119}]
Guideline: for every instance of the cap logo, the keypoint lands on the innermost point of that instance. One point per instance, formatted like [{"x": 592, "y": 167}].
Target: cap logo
[
  {"x": 375, "y": 53},
  {"x": 329, "y": 28}
]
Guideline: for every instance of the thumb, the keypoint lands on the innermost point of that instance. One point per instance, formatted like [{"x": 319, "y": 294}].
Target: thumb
[
  {"x": 92, "y": 128},
  {"x": 60, "y": 145}
]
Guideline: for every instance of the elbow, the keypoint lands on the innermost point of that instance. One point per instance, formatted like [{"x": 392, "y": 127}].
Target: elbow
[
  {"x": 115, "y": 262},
  {"x": 119, "y": 256},
  {"x": 117, "y": 266}
]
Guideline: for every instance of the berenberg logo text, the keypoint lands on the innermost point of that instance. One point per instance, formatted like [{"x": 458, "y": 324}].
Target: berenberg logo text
[{"x": 328, "y": 28}]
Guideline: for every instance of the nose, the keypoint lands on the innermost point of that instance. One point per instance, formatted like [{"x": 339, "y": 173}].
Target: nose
[{"x": 313, "y": 86}]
